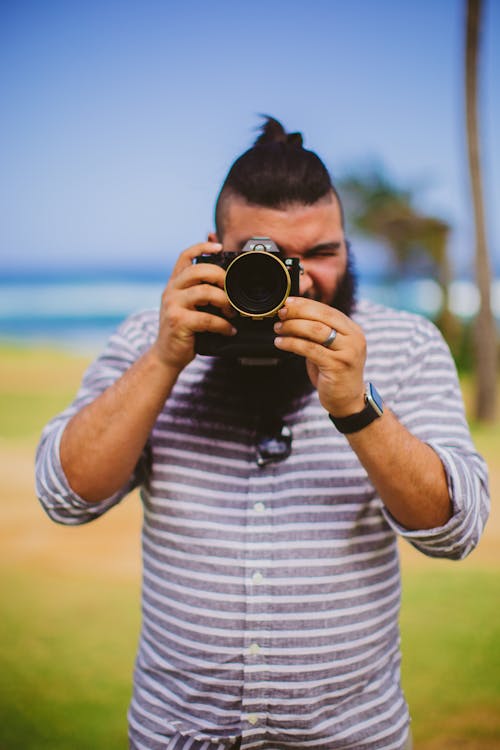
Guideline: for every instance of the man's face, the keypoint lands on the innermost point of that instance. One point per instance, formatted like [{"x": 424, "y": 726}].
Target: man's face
[{"x": 312, "y": 233}]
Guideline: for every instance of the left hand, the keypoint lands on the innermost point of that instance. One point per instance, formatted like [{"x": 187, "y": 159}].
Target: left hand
[{"x": 336, "y": 371}]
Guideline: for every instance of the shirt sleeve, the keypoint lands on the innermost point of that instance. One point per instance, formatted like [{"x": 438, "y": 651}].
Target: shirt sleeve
[
  {"x": 58, "y": 499},
  {"x": 429, "y": 404}
]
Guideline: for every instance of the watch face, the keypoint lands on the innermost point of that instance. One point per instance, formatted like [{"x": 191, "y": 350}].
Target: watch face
[{"x": 374, "y": 398}]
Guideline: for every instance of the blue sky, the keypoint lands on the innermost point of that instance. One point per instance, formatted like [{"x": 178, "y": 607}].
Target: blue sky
[{"x": 120, "y": 119}]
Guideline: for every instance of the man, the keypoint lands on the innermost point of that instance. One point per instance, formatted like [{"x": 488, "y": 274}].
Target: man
[{"x": 271, "y": 587}]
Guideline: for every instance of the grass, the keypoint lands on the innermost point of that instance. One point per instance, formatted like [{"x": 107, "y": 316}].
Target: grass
[
  {"x": 451, "y": 656},
  {"x": 66, "y": 674},
  {"x": 35, "y": 384},
  {"x": 70, "y": 604}
]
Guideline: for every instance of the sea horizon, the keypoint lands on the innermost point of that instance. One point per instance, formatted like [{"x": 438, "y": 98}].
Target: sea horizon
[{"x": 78, "y": 309}]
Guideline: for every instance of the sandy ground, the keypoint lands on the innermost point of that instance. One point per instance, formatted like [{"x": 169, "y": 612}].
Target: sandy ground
[{"x": 109, "y": 547}]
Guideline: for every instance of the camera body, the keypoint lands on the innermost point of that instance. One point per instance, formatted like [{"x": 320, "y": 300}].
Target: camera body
[{"x": 258, "y": 280}]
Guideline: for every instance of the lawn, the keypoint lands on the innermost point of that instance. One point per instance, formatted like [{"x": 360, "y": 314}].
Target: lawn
[{"x": 70, "y": 602}]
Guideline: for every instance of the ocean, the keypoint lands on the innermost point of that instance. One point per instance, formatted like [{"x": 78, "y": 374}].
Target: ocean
[
  {"x": 78, "y": 311},
  {"x": 73, "y": 311}
]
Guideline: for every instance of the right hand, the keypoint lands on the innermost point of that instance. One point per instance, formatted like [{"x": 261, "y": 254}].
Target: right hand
[{"x": 190, "y": 287}]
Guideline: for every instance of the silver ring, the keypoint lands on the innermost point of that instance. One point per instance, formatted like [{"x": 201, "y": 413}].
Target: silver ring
[{"x": 331, "y": 338}]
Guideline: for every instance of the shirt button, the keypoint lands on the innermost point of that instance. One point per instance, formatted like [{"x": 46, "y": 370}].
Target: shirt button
[
  {"x": 259, "y": 507},
  {"x": 254, "y": 649},
  {"x": 253, "y": 719},
  {"x": 257, "y": 577}
]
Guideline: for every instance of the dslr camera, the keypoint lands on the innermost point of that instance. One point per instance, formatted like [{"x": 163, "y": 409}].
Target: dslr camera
[{"x": 258, "y": 280}]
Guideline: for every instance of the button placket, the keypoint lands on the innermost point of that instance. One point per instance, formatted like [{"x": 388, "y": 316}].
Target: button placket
[
  {"x": 257, "y": 558},
  {"x": 257, "y": 578}
]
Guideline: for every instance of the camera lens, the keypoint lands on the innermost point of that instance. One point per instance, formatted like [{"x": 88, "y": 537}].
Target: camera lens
[{"x": 257, "y": 283}]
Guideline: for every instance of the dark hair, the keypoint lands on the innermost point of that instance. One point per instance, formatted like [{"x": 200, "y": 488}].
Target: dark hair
[{"x": 276, "y": 172}]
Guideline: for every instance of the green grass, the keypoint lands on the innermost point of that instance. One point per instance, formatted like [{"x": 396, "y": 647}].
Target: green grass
[
  {"x": 66, "y": 662},
  {"x": 69, "y": 645},
  {"x": 35, "y": 384},
  {"x": 450, "y": 628},
  {"x": 24, "y": 415}
]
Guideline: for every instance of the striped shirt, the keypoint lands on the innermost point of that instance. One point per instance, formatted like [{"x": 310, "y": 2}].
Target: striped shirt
[{"x": 271, "y": 594}]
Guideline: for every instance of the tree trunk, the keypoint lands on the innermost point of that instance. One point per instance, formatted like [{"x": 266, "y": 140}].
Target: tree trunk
[{"x": 485, "y": 329}]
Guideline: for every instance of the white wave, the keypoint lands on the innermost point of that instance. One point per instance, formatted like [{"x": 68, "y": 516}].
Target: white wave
[{"x": 25, "y": 301}]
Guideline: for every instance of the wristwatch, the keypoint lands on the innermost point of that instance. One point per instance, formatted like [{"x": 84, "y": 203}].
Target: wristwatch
[{"x": 374, "y": 408}]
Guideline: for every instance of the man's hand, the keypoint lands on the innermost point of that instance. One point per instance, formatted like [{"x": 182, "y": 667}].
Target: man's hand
[
  {"x": 102, "y": 443},
  {"x": 337, "y": 370},
  {"x": 189, "y": 288},
  {"x": 406, "y": 472}
]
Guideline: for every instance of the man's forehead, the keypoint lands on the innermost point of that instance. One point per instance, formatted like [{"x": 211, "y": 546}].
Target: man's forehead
[
  {"x": 238, "y": 203},
  {"x": 241, "y": 217}
]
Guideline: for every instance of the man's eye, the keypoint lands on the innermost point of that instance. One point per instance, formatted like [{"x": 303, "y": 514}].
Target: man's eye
[{"x": 324, "y": 254}]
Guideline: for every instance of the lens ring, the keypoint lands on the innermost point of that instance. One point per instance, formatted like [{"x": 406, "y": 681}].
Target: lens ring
[{"x": 252, "y": 291}]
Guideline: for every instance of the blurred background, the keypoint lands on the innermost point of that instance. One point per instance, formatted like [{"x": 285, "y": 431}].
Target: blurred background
[
  {"x": 119, "y": 122},
  {"x": 121, "y": 119}
]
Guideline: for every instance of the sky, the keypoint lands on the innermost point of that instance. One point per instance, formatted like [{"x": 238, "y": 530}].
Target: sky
[{"x": 120, "y": 119}]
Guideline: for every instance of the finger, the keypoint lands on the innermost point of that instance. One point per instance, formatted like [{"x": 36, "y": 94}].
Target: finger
[
  {"x": 312, "y": 351},
  {"x": 192, "y": 275},
  {"x": 197, "y": 321},
  {"x": 202, "y": 295},
  {"x": 312, "y": 330},
  {"x": 186, "y": 258},
  {"x": 305, "y": 309}
]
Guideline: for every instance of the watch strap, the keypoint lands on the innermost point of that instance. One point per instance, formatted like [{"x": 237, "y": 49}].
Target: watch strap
[{"x": 356, "y": 422}]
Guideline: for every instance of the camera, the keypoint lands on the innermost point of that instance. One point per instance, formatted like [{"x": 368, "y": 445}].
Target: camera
[{"x": 257, "y": 282}]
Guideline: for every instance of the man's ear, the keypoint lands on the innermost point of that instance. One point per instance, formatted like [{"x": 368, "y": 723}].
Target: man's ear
[{"x": 212, "y": 237}]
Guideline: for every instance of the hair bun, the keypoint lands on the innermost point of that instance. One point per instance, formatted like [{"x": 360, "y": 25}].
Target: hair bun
[
  {"x": 295, "y": 139},
  {"x": 273, "y": 132}
]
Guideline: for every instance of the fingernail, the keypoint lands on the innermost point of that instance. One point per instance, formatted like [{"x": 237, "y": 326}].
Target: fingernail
[
  {"x": 277, "y": 341},
  {"x": 282, "y": 312},
  {"x": 278, "y": 326}
]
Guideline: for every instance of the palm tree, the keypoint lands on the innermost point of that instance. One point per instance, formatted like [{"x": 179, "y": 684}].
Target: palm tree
[
  {"x": 485, "y": 330},
  {"x": 379, "y": 208}
]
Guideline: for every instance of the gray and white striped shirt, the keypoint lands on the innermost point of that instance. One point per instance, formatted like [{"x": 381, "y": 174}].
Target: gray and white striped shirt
[{"x": 271, "y": 594}]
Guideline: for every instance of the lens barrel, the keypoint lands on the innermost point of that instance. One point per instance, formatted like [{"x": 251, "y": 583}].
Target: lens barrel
[{"x": 257, "y": 283}]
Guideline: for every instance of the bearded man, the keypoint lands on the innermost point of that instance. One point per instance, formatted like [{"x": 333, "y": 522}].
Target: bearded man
[{"x": 273, "y": 494}]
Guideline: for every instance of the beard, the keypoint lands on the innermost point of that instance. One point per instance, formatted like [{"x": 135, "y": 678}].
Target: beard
[
  {"x": 267, "y": 393},
  {"x": 344, "y": 297}
]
